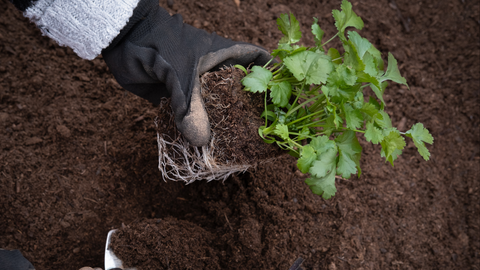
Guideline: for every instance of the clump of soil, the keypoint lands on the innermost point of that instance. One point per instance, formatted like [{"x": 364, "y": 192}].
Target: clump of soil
[
  {"x": 164, "y": 244},
  {"x": 235, "y": 146}
]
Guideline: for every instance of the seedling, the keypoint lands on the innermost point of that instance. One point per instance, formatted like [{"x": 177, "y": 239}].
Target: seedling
[{"x": 315, "y": 103}]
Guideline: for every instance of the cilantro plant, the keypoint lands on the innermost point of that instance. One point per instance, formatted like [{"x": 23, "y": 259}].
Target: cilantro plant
[{"x": 314, "y": 101}]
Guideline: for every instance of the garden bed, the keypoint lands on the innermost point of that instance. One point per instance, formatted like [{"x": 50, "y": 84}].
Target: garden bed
[{"x": 79, "y": 155}]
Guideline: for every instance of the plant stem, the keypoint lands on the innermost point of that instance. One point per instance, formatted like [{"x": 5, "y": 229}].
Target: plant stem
[
  {"x": 265, "y": 104},
  {"x": 304, "y": 117},
  {"x": 301, "y": 105},
  {"x": 314, "y": 124},
  {"x": 330, "y": 39}
]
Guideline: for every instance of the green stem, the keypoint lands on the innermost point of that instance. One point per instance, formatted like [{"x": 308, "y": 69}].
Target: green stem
[
  {"x": 314, "y": 124},
  {"x": 299, "y": 134},
  {"x": 266, "y": 65},
  {"x": 356, "y": 130},
  {"x": 278, "y": 70},
  {"x": 301, "y": 105},
  {"x": 317, "y": 103},
  {"x": 304, "y": 117},
  {"x": 265, "y": 104},
  {"x": 330, "y": 39}
]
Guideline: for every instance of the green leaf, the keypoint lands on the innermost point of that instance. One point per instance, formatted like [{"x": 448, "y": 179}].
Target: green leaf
[
  {"x": 321, "y": 144},
  {"x": 325, "y": 163},
  {"x": 257, "y": 80},
  {"x": 349, "y": 153},
  {"x": 420, "y": 134},
  {"x": 392, "y": 157},
  {"x": 282, "y": 131},
  {"x": 392, "y": 144},
  {"x": 342, "y": 84},
  {"x": 351, "y": 57},
  {"x": 307, "y": 157},
  {"x": 323, "y": 186},
  {"x": 317, "y": 32},
  {"x": 335, "y": 56},
  {"x": 383, "y": 120},
  {"x": 362, "y": 45},
  {"x": 379, "y": 91},
  {"x": 282, "y": 51},
  {"x": 311, "y": 66},
  {"x": 346, "y": 18},
  {"x": 370, "y": 66},
  {"x": 369, "y": 109},
  {"x": 353, "y": 117},
  {"x": 271, "y": 116},
  {"x": 242, "y": 68},
  {"x": 377, "y": 56},
  {"x": 290, "y": 28},
  {"x": 373, "y": 134},
  {"x": 392, "y": 72},
  {"x": 280, "y": 93},
  {"x": 304, "y": 133}
]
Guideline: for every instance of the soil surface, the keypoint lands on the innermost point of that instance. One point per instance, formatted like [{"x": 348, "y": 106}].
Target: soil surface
[{"x": 78, "y": 155}]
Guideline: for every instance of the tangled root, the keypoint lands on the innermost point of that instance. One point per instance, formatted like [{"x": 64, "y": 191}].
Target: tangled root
[{"x": 178, "y": 161}]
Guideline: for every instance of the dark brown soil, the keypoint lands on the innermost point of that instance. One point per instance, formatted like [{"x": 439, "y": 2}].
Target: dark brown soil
[
  {"x": 165, "y": 244},
  {"x": 78, "y": 155}
]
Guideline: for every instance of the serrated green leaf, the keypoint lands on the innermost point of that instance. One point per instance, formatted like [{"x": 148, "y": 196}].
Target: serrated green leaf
[
  {"x": 373, "y": 101},
  {"x": 317, "y": 33},
  {"x": 283, "y": 51},
  {"x": 349, "y": 153},
  {"x": 307, "y": 157},
  {"x": 304, "y": 133},
  {"x": 342, "y": 84},
  {"x": 351, "y": 57},
  {"x": 369, "y": 109},
  {"x": 353, "y": 117},
  {"x": 379, "y": 91},
  {"x": 370, "y": 66},
  {"x": 392, "y": 72},
  {"x": 377, "y": 56},
  {"x": 290, "y": 28},
  {"x": 321, "y": 144},
  {"x": 280, "y": 93},
  {"x": 362, "y": 45},
  {"x": 373, "y": 134},
  {"x": 257, "y": 81},
  {"x": 420, "y": 134},
  {"x": 323, "y": 186},
  {"x": 382, "y": 119},
  {"x": 392, "y": 144},
  {"x": 392, "y": 157},
  {"x": 281, "y": 130},
  {"x": 311, "y": 66},
  {"x": 325, "y": 163},
  {"x": 346, "y": 18}
]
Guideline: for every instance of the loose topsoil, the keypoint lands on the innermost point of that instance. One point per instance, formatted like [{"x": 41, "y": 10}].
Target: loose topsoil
[{"x": 78, "y": 155}]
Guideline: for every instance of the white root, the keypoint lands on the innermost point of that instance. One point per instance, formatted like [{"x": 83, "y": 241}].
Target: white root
[{"x": 178, "y": 161}]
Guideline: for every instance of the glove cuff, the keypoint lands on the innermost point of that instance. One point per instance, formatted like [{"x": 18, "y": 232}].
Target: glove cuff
[
  {"x": 142, "y": 10},
  {"x": 86, "y": 26}
]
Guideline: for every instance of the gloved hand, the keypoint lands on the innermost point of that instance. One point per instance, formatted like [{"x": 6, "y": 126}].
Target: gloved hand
[
  {"x": 157, "y": 55},
  {"x": 14, "y": 260}
]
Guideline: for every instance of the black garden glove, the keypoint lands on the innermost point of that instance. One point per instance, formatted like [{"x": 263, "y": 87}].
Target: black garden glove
[
  {"x": 14, "y": 260},
  {"x": 157, "y": 55}
]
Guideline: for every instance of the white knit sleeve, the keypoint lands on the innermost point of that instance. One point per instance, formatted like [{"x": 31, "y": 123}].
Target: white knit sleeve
[{"x": 86, "y": 26}]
